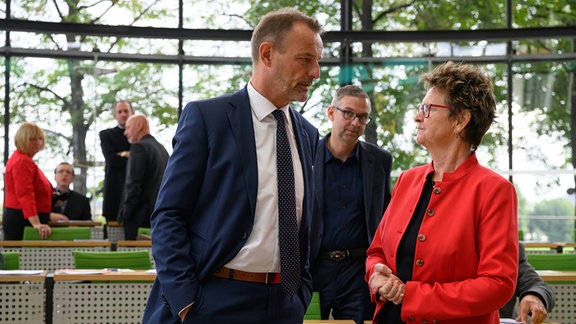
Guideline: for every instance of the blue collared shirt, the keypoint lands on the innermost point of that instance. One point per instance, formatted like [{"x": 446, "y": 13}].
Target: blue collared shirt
[{"x": 344, "y": 221}]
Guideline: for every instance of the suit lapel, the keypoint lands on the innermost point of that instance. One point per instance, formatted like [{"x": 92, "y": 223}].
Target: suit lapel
[
  {"x": 367, "y": 165},
  {"x": 240, "y": 119}
]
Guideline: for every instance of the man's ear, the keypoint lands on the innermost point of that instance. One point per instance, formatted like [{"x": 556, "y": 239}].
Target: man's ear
[{"x": 265, "y": 50}]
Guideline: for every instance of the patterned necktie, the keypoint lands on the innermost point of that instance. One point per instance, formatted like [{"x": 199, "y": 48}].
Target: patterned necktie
[{"x": 287, "y": 223}]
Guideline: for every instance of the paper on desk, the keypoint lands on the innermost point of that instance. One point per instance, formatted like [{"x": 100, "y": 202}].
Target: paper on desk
[
  {"x": 84, "y": 271},
  {"x": 21, "y": 272},
  {"x": 509, "y": 321}
]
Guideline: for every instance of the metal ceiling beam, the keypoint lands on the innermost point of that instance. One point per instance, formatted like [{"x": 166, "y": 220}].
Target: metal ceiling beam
[
  {"x": 504, "y": 34},
  {"x": 223, "y": 60}
]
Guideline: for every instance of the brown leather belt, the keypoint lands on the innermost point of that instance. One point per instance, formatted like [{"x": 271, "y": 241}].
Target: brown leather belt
[{"x": 261, "y": 277}]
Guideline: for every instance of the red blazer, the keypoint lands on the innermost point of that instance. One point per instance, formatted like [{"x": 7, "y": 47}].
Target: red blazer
[
  {"x": 27, "y": 188},
  {"x": 466, "y": 257}
]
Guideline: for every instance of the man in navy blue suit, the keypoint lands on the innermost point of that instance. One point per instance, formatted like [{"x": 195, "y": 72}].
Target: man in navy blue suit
[
  {"x": 352, "y": 190},
  {"x": 215, "y": 224}
]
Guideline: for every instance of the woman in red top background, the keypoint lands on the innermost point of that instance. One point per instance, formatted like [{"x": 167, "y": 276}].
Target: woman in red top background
[{"x": 28, "y": 196}]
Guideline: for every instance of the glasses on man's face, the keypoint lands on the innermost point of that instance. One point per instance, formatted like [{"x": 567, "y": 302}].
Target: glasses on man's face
[
  {"x": 425, "y": 108},
  {"x": 350, "y": 115}
]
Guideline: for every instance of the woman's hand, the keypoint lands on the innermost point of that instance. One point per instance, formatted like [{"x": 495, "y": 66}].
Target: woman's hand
[
  {"x": 386, "y": 285},
  {"x": 44, "y": 230}
]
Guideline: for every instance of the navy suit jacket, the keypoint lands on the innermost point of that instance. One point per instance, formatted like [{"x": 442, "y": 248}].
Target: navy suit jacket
[
  {"x": 77, "y": 207},
  {"x": 376, "y": 165},
  {"x": 205, "y": 208}
]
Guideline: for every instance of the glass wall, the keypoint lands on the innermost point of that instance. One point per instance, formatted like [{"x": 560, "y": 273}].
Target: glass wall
[{"x": 65, "y": 77}]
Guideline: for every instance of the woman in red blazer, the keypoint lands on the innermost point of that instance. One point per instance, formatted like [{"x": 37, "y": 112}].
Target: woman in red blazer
[
  {"x": 446, "y": 250},
  {"x": 28, "y": 197}
]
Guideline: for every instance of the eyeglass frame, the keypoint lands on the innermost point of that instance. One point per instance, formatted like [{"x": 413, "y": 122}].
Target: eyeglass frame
[
  {"x": 425, "y": 108},
  {"x": 346, "y": 114}
]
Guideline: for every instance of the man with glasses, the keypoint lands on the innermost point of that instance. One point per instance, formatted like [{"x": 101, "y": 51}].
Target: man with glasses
[
  {"x": 352, "y": 190},
  {"x": 66, "y": 203}
]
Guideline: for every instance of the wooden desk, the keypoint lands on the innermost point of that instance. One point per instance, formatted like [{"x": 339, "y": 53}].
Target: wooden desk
[
  {"x": 96, "y": 228},
  {"x": 557, "y": 276},
  {"x": 50, "y": 255},
  {"x": 23, "y": 298},
  {"x": 331, "y": 322},
  {"x": 564, "y": 285},
  {"x": 115, "y": 297},
  {"x": 543, "y": 247}
]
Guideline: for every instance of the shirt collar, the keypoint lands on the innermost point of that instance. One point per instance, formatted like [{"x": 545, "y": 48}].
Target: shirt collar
[{"x": 261, "y": 106}]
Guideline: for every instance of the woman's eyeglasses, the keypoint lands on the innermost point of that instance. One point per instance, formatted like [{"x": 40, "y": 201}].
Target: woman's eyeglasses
[{"x": 425, "y": 108}]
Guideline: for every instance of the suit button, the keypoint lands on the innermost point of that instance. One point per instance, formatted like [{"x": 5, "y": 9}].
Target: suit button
[
  {"x": 244, "y": 236},
  {"x": 419, "y": 262},
  {"x": 437, "y": 190},
  {"x": 424, "y": 320},
  {"x": 436, "y": 321},
  {"x": 421, "y": 237},
  {"x": 430, "y": 212},
  {"x": 411, "y": 319}
]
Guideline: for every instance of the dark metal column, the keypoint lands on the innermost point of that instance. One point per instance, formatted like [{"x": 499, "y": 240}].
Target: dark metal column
[{"x": 346, "y": 47}]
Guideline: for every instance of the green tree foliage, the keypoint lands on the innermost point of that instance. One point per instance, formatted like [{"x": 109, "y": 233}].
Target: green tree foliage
[
  {"x": 80, "y": 96},
  {"x": 78, "y": 92},
  {"x": 552, "y": 224}
]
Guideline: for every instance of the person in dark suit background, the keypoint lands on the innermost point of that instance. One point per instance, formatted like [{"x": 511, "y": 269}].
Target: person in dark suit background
[
  {"x": 68, "y": 204},
  {"x": 536, "y": 297},
  {"x": 116, "y": 150},
  {"x": 352, "y": 190},
  {"x": 215, "y": 224},
  {"x": 144, "y": 174}
]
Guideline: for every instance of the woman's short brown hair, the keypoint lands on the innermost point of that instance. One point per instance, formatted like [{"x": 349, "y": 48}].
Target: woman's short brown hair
[{"x": 466, "y": 88}]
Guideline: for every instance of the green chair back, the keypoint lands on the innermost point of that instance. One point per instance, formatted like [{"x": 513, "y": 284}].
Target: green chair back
[
  {"x": 313, "y": 312},
  {"x": 144, "y": 230},
  {"x": 59, "y": 234},
  {"x": 11, "y": 261},
  {"x": 135, "y": 260},
  {"x": 558, "y": 261}
]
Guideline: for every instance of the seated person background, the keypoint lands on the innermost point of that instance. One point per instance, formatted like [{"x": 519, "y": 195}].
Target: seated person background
[
  {"x": 68, "y": 204},
  {"x": 537, "y": 298}
]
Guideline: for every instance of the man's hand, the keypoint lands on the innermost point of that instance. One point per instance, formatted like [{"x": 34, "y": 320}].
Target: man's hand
[
  {"x": 55, "y": 217},
  {"x": 533, "y": 306}
]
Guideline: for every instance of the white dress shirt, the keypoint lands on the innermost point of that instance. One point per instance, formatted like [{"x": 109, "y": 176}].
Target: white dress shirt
[{"x": 261, "y": 253}]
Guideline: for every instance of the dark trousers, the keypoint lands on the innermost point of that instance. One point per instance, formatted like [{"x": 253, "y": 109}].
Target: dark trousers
[
  {"x": 229, "y": 301},
  {"x": 343, "y": 290},
  {"x": 13, "y": 223}
]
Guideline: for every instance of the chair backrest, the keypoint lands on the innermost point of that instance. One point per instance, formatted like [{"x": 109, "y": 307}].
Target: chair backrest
[
  {"x": 10, "y": 261},
  {"x": 135, "y": 260},
  {"x": 313, "y": 312},
  {"x": 558, "y": 261},
  {"x": 144, "y": 230},
  {"x": 59, "y": 234}
]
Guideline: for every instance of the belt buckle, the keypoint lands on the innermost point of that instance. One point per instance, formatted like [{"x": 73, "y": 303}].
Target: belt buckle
[{"x": 337, "y": 255}]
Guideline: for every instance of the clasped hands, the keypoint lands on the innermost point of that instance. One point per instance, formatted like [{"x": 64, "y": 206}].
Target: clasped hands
[{"x": 385, "y": 285}]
